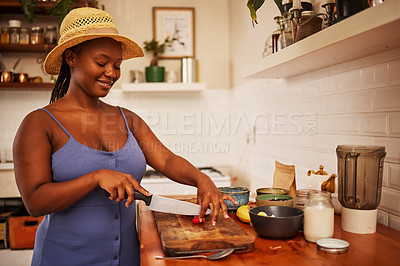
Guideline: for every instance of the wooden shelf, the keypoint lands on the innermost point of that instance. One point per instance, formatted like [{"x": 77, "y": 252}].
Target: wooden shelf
[
  {"x": 163, "y": 87},
  {"x": 26, "y": 86},
  {"x": 26, "y": 48},
  {"x": 371, "y": 31},
  {"x": 14, "y": 6}
]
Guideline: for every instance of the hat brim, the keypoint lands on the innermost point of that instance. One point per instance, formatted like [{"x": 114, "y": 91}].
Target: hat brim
[{"x": 52, "y": 63}]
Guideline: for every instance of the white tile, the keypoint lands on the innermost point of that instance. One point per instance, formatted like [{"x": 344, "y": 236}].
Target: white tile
[
  {"x": 392, "y": 146},
  {"x": 349, "y": 81},
  {"x": 387, "y": 56},
  {"x": 361, "y": 62},
  {"x": 327, "y": 85},
  {"x": 387, "y": 99},
  {"x": 394, "y": 72},
  {"x": 390, "y": 201},
  {"x": 361, "y": 140},
  {"x": 362, "y": 101},
  {"x": 394, "y": 124},
  {"x": 376, "y": 124},
  {"x": 393, "y": 172},
  {"x": 349, "y": 124},
  {"x": 394, "y": 222},
  {"x": 336, "y": 140},
  {"x": 374, "y": 76},
  {"x": 383, "y": 217},
  {"x": 339, "y": 68},
  {"x": 327, "y": 123},
  {"x": 335, "y": 104}
]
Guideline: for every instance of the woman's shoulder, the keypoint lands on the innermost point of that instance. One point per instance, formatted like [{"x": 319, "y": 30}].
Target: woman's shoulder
[{"x": 133, "y": 119}]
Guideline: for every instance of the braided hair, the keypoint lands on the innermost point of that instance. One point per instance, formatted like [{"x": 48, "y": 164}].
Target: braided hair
[{"x": 62, "y": 83}]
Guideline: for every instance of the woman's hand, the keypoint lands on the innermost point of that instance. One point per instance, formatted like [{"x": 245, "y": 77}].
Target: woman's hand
[
  {"x": 117, "y": 183},
  {"x": 208, "y": 193}
]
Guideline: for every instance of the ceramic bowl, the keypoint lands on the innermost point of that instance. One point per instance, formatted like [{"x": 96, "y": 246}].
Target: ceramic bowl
[
  {"x": 240, "y": 194},
  {"x": 274, "y": 200},
  {"x": 270, "y": 190},
  {"x": 286, "y": 223}
]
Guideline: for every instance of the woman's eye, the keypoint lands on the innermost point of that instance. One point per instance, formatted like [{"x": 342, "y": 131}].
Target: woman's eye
[
  {"x": 117, "y": 67},
  {"x": 101, "y": 64}
]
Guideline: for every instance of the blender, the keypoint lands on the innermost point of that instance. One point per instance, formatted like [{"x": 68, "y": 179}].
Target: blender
[{"x": 360, "y": 171}]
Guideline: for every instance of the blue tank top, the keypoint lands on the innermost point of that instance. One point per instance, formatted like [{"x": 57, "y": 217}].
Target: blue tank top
[{"x": 95, "y": 230}]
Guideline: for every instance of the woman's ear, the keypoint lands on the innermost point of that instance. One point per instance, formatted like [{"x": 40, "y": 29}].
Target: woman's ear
[{"x": 70, "y": 57}]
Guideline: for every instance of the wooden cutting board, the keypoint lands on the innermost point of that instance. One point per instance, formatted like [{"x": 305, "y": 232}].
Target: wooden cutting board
[{"x": 179, "y": 236}]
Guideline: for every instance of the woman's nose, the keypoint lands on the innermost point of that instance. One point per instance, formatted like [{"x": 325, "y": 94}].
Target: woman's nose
[{"x": 110, "y": 72}]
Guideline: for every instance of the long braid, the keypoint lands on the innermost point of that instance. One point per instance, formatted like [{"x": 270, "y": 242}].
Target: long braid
[{"x": 62, "y": 83}]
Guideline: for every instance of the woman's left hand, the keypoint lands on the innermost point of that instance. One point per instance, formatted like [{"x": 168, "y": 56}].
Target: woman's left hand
[{"x": 208, "y": 193}]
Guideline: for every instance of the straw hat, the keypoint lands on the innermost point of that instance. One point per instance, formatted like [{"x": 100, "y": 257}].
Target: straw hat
[{"x": 83, "y": 24}]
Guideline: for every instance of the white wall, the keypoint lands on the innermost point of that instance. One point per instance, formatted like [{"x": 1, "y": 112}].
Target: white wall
[{"x": 356, "y": 102}]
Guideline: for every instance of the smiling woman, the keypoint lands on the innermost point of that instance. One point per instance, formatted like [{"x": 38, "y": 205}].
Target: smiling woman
[{"x": 67, "y": 153}]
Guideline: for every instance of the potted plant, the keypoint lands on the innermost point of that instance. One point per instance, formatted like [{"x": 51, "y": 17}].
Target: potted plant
[{"x": 155, "y": 73}]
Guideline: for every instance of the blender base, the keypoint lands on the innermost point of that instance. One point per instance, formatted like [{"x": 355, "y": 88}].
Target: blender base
[{"x": 359, "y": 221}]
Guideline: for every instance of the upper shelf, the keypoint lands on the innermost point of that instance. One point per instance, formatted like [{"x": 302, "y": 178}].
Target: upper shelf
[
  {"x": 163, "y": 87},
  {"x": 14, "y": 6},
  {"x": 26, "y": 48},
  {"x": 371, "y": 31}
]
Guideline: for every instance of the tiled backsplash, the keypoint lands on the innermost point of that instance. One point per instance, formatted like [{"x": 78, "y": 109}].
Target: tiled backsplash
[{"x": 297, "y": 121}]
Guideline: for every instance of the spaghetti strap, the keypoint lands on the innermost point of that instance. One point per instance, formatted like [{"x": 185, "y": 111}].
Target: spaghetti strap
[
  {"x": 55, "y": 119},
  {"x": 126, "y": 122}
]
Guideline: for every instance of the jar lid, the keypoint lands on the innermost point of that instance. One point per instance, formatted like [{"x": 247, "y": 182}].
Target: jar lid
[
  {"x": 24, "y": 30},
  {"x": 307, "y": 13},
  {"x": 51, "y": 28},
  {"x": 37, "y": 29},
  {"x": 332, "y": 245}
]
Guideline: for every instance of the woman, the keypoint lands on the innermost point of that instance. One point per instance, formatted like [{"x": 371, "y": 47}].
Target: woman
[{"x": 67, "y": 153}]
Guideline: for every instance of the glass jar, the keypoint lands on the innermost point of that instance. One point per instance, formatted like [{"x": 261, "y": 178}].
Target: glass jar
[
  {"x": 301, "y": 198},
  {"x": 5, "y": 35},
  {"x": 286, "y": 37},
  {"x": 37, "y": 35},
  {"x": 14, "y": 35},
  {"x": 24, "y": 36},
  {"x": 318, "y": 216},
  {"x": 51, "y": 36}
]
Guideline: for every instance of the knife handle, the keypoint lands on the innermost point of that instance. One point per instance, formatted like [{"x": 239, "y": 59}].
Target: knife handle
[{"x": 137, "y": 196}]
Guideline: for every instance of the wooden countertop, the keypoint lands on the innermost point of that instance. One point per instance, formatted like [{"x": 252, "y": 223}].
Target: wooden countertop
[{"x": 381, "y": 248}]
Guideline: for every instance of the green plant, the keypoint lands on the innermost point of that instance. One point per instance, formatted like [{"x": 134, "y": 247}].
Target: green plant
[
  {"x": 157, "y": 48},
  {"x": 29, "y": 8}
]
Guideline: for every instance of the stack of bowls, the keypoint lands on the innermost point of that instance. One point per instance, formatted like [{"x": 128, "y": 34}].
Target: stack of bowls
[{"x": 274, "y": 200}]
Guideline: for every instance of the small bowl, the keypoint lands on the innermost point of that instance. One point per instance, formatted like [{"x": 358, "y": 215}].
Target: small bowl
[
  {"x": 240, "y": 194},
  {"x": 274, "y": 200},
  {"x": 286, "y": 223},
  {"x": 270, "y": 190}
]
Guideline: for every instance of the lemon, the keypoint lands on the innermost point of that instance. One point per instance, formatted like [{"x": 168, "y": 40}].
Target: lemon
[
  {"x": 243, "y": 213},
  {"x": 262, "y": 214}
]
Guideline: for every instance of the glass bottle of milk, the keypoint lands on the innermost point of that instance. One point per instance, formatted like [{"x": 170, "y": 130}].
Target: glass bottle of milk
[{"x": 318, "y": 216}]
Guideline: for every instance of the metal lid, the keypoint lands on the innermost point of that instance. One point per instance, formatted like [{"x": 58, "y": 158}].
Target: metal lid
[
  {"x": 37, "y": 29},
  {"x": 332, "y": 245}
]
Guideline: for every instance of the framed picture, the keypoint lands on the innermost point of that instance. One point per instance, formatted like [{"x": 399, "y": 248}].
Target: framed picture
[{"x": 178, "y": 23}]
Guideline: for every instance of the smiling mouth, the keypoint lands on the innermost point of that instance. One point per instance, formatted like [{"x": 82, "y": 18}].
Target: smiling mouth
[{"x": 106, "y": 84}]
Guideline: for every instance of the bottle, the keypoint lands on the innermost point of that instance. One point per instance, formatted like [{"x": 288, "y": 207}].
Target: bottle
[
  {"x": 24, "y": 36},
  {"x": 51, "y": 37},
  {"x": 318, "y": 216}
]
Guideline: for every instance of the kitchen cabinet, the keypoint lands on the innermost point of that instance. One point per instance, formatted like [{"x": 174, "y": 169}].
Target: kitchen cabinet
[
  {"x": 380, "y": 248},
  {"x": 371, "y": 31},
  {"x": 14, "y": 7}
]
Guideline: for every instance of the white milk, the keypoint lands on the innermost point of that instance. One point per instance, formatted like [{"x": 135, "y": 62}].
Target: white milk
[{"x": 318, "y": 223}]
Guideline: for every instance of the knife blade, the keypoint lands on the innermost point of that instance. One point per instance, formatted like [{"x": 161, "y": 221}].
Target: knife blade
[{"x": 167, "y": 205}]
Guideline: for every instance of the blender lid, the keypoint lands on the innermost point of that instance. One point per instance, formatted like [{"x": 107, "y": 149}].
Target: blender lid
[
  {"x": 332, "y": 245},
  {"x": 364, "y": 149}
]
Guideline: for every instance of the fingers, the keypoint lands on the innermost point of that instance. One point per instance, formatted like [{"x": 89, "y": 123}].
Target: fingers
[{"x": 130, "y": 197}]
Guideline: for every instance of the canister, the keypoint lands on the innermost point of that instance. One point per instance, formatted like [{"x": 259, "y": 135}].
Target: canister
[
  {"x": 318, "y": 216},
  {"x": 51, "y": 36},
  {"x": 14, "y": 35},
  {"x": 24, "y": 36},
  {"x": 37, "y": 35},
  {"x": 189, "y": 70},
  {"x": 5, "y": 35}
]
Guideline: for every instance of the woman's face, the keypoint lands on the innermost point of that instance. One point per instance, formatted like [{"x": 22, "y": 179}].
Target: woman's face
[{"x": 95, "y": 65}]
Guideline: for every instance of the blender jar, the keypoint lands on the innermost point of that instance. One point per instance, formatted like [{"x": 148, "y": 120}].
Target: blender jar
[{"x": 360, "y": 171}]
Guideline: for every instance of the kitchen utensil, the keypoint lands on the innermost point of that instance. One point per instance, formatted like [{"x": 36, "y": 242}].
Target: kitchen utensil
[
  {"x": 168, "y": 205},
  {"x": 270, "y": 190},
  {"x": 315, "y": 179},
  {"x": 274, "y": 200},
  {"x": 6, "y": 77},
  {"x": 15, "y": 65},
  {"x": 240, "y": 194},
  {"x": 286, "y": 223},
  {"x": 179, "y": 236},
  {"x": 360, "y": 171},
  {"x": 215, "y": 256}
]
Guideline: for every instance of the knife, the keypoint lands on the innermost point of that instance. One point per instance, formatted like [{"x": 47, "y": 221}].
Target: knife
[{"x": 167, "y": 205}]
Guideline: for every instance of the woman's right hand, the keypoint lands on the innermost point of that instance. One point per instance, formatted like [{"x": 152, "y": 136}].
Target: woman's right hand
[{"x": 117, "y": 183}]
